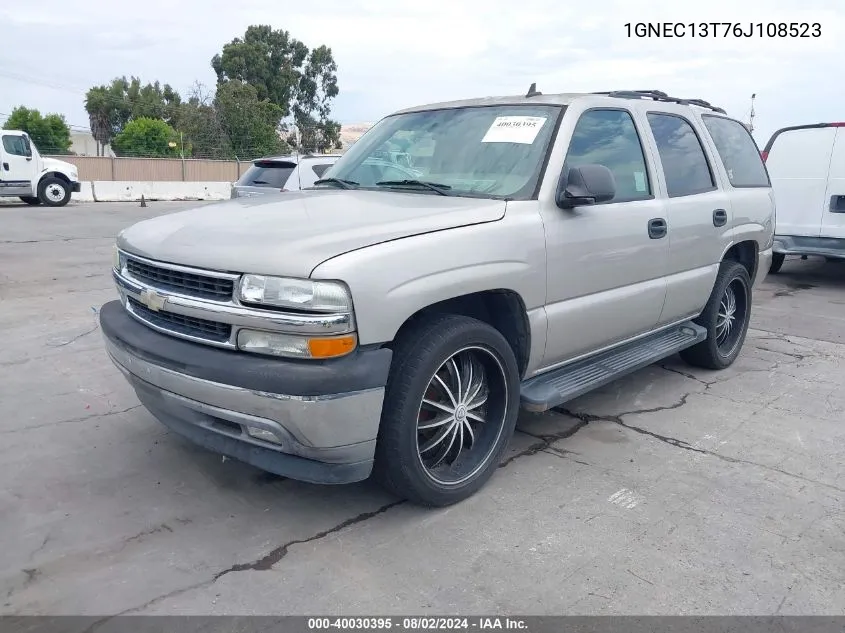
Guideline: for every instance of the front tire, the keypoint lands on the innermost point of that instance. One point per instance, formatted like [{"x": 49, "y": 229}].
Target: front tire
[
  {"x": 30, "y": 200},
  {"x": 450, "y": 409},
  {"x": 54, "y": 192},
  {"x": 777, "y": 262},
  {"x": 726, "y": 318}
]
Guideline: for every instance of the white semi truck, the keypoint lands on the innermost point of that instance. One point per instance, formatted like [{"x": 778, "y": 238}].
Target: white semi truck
[{"x": 27, "y": 175}]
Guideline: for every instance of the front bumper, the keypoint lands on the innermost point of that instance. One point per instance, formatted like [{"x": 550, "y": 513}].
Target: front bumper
[
  {"x": 76, "y": 187},
  {"x": 323, "y": 416}
]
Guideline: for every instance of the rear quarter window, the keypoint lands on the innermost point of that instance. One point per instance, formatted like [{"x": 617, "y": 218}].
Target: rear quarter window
[{"x": 738, "y": 151}]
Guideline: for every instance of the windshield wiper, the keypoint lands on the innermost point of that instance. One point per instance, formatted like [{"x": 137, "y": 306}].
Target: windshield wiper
[
  {"x": 345, "y": 184},
  {"x": 433, "y": 186}
]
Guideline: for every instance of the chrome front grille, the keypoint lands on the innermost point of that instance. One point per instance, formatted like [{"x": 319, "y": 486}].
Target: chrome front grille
[
  {"x": 201, "y": 305},
  {"x": 180, "y": 281},
  {"x": 180, "y": 324}
]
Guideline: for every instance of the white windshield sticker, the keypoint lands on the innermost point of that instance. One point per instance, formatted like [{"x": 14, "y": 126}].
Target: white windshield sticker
[{"x": 514, "y": 129}]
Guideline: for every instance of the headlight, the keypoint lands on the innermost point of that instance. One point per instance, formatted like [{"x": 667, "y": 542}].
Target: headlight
[
  {"x": 276, "y": 344},
  {"x": 299, "y": 294},
  {"x": 117, "y": 259}
]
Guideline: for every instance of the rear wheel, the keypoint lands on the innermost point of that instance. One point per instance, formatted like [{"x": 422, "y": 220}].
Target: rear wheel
[
  {"x": 777, "y": 262},
  {"x": 30, "y": 200},
  {"x": 54, "y": 192},
  {"x": 449, "y": 410},
  {"x": 726, "y": 318}
]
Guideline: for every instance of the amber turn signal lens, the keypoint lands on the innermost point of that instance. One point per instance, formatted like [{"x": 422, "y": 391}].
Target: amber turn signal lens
[{"x": 331, "y": 347}]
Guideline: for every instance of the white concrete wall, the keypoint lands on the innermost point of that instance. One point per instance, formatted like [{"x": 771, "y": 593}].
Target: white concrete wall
[{"x": 126, "y": 191}]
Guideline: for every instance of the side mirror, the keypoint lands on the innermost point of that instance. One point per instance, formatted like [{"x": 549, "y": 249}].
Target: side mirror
[
  {"x": 584, "y": 185},
  {"x": 27, "y": 147}
]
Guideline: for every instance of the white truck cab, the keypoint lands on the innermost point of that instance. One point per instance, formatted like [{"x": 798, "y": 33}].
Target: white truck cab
[
  {"x": 806, "y": 164},
  {"x": 33, "y": 178}
]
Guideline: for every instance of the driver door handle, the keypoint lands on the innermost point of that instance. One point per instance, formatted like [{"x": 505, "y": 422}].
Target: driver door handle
[{"x": 657, "y": 228}]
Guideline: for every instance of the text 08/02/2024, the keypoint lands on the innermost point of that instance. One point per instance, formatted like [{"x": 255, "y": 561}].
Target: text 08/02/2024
[{"x": 724, "y": 29}]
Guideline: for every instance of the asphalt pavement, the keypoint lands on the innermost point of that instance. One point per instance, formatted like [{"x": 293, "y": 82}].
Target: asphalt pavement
[{"x": 672, "y": 491}]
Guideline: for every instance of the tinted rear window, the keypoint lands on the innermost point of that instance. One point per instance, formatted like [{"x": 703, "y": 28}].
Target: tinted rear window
[
  {"x": 738, "y": 152},
  {"x": 267, "y": 174},
  {"x": 684, "y": 161}
]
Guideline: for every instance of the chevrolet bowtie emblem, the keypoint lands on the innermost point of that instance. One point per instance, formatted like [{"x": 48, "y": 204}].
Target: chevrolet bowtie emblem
[{"x": 153, "y": 300}]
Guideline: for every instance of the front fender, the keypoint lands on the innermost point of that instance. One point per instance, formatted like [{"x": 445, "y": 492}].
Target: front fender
[{"x": 392, "y": 281}]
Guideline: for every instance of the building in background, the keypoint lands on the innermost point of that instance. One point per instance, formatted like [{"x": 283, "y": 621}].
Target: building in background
[{"x": 83, "y": 144}]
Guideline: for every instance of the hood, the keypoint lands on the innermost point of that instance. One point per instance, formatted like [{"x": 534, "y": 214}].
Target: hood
[
  {"x": 52, "y": 164},
  {"x": 293, "y": 233}
]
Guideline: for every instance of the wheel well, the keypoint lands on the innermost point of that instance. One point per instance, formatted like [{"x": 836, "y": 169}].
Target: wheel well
[
  {"x": 502, "y": 309},
  {"x": 746, "y": 253},
  {"x": 55, "y": 174}
]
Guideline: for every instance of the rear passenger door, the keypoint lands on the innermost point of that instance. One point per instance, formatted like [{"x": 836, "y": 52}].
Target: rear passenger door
[
  {"x": 700, "y": 217},
  {"x": 744, "y": 177},
  {"x": 605, "y": 274}
]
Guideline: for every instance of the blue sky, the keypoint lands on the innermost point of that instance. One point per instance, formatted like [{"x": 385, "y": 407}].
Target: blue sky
[{"x": 395, "y": 54}]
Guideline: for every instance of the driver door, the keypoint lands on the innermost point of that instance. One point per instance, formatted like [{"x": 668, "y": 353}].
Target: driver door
[
  {"x": 15, "y": 165},
  {"x": 605, "y": 272}
]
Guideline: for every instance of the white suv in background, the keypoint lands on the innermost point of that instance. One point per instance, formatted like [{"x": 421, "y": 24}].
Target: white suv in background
[{"x": 282, "y": 173}]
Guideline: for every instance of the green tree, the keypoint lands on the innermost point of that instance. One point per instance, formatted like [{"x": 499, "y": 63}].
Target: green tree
[
  {"x": 108, "y": 110},
  {"x": 153, "y": 101},
  {"x": 50, "y": 133},
  {"x": 201, "y": 125},
  {"x": 317, "y": 87},
  {"x": 148, "y": 138},
  {"x": 249, "y": 123},
  {"x": 271, "y": 61},
  {"x": 301, "y": 82},
  {"x": 111, "y": 106}
]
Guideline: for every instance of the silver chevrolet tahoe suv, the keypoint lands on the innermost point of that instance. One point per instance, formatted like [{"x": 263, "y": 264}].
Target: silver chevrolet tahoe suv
[{"x": 392, "y": 320}]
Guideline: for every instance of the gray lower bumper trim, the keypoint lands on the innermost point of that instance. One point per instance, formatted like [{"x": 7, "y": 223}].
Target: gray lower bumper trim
[
  {"x": 291, "y": 466},
  {"x": 806, "y": 245},
  {"x": 305, "y": 425}
]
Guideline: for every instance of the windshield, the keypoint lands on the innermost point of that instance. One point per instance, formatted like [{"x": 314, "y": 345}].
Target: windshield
[{"x": 487, "y": 151}]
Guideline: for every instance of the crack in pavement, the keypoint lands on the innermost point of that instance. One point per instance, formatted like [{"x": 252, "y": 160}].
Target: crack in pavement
[
  {"x": 75, "y": 338},
  {"x": 586, "y": 418},
  {"x": 71, "y": 421},
  {"x": 270, "y": 559},
  {"x": 545, "y": 442},
  {"x": 267, "y": 561}
]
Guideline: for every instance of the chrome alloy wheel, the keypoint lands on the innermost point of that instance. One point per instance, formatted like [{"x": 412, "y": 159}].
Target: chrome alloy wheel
[
  {"x": 462, "y": 415},
  {"x": 731, "y": 317}
]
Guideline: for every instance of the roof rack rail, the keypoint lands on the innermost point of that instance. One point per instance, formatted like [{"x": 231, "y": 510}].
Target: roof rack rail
[{"x": 658, "y": 95}]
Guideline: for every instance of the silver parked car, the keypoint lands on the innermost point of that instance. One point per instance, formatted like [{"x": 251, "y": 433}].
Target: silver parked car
[
  {"x": 396, "y": 318},
  {"x": 282, "y": 173}
]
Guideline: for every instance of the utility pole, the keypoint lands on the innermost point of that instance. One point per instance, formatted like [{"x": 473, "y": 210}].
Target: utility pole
[{"x": 751, "y": 118}]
